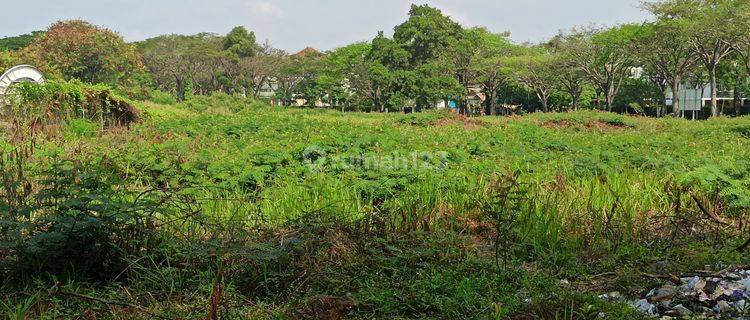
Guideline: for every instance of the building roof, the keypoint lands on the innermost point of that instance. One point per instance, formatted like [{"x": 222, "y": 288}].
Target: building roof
[{"x": 308, "y": 52}]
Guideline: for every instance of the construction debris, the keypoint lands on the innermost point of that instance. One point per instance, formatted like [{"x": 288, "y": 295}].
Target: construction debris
[{"x": 722, "y": 295}]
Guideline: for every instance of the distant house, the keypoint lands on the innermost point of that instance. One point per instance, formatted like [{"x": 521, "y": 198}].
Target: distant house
[
  {"x": 474, "y": 99},
  {"x": 308, "y": 52}
]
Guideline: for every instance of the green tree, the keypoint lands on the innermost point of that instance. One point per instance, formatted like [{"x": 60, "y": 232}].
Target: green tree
[
  {"x": 569, "y": 73},
  {"x": 345, "y": 76},
  {"x": 742, "y": 46},
  {"x": 536, "y": 70},
  {"x": 604, "y": 56},
  {"x": 427, "y": 36},
  {"x": 19, "y": 42},
  {"x": 470, "y": 54},
  {"x": 177, "y": 62},
  {"x": 241, "y": 42},
  {"x": 664, "y": 49},
  {"x": 77, "y": 49},
  {"x": 296, "y": 78},
  {"x": 391, "y": 79},
  {"x": 493, "y": 72},
  {"x": 714, "y": 27}
]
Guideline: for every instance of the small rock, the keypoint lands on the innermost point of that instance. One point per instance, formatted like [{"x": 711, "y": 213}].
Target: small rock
[
  {"x": 733, "y": 276},
  {"x": 741, "y": 306},
  {"x": 671, "y": 313},
  {"x": 708, "y": 312},
  {"x": 663, "y": 294},
  {"x": 703, "y": 297},
  {"x": 711, "y": 287},
  {"x": 722, "y": 307},
  {"x": 665, "y": 305},
  {"x": 612, "y": 296},
  {"x": 745, "y": 283},
  {"x": 644, "y": 306},
  {"x": 690, "y": 283},
  {"x": 564, "y": 282},
  {"x": 675, "y": 280},
  {"x": 682, "y": 310}
]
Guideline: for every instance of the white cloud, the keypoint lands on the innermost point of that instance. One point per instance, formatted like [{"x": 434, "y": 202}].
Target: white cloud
[{"x": 265, "y": 9}]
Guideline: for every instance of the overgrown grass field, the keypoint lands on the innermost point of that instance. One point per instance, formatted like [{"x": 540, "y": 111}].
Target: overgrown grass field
[{"x": 221, "y": 207}]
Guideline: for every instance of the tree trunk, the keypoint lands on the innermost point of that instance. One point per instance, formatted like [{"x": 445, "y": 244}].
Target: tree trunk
[
  {"x": 493, "y": 105},
  {"x": 714, "y": 92},
  {"x": 575, "y": 97},
  {"x": 544, "y": 99},
  {"x": 180, "y": 90},
  {"x": 736, "y": 98},
  {"x": 463, "y": 107},
  {"x": 598, "y": 99},
  {"x": 675, "y": 97}
]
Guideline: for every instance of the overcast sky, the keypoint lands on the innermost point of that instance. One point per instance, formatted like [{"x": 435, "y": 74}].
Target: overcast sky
[{"x": 323, "y": 24}]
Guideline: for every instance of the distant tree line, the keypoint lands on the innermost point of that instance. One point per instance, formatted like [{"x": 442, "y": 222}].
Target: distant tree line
[{"x": 430, "y": 60}]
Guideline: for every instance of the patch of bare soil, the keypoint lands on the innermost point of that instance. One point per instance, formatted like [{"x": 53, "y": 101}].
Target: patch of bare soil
[
  {"x": 593, "y": 124},
  {"x": 468, "y": 123},
  {"x": 560, "y": 124},
  {"x": 604, "y": 125}
]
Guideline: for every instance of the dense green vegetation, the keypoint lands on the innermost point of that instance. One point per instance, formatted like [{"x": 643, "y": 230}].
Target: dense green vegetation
[
  {"x": 18, "y": 42},
  {"x": 224, "y": 205},
  {"x": 431, "y": 60},
  {"x": 172, "y": 178}
]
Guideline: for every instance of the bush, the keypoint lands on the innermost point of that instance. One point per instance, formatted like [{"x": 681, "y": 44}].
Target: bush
[
  {"x": 161, "y": 97},
  {"x": 81, "y": 223},
  {"x": 78, "y": 50},
  {"x": 80, "y": 128},
  {"x": 56, "y": 101}
]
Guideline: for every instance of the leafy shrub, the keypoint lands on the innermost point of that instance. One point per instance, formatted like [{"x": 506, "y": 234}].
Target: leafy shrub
[
  {"x": 56, "y": 101},
  {"x": 81, "y": 223},
  {"x": 161, "y": 97},
  {"x": 730, "y": 183},
  {"x": 80, "y": 128}
]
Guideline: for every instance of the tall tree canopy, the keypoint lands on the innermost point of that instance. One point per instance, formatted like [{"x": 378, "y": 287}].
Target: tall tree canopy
[
  {"x": 426, "y": 34},
  {"x": 536, "y": 70},
  {"x": 664, "y": 49},
  {"x": 605, "y": 57},
  {"x": 714, "y": 27},
  {"x": 241, "y": 42},
  {"x": 77, "y": 49},
  {"x": 19, "y": 42},
  {"x": 177, "y": 61}
]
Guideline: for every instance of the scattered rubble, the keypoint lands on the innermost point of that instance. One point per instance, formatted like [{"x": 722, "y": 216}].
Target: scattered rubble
[{"x": 721, "y": 295}]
